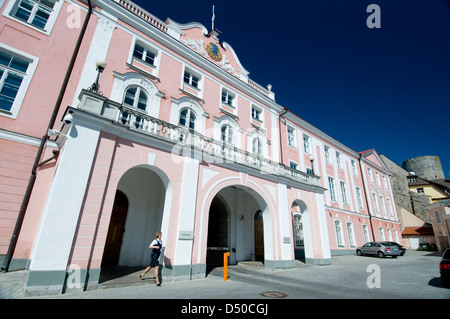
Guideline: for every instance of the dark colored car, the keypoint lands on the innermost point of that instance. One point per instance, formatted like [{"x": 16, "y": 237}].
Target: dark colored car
[
  {"x": 380, "y": 249},
  {"x": 402, "y": 249},
  {"x": 444, "y": 268}
]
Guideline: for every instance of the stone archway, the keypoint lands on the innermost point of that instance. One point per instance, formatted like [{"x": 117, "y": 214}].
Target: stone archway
[
  {"x": 302, "y": 236},
  {"x": 231, "y": 224},
  {"x": 145, "y": 188}
]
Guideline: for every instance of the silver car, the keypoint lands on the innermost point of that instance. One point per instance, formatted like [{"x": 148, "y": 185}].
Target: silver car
[{"x": 380, "y": 249}]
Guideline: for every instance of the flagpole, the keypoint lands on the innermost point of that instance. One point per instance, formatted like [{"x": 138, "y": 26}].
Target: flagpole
[{"x": 213, "y": 18}]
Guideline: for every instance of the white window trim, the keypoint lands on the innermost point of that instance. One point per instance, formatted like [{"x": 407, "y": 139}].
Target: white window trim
[
  {"x": 50, "y": 22},
  {"x": 192, "y": 71},
  {"x": 18, "y": 101},
  {"x": 307, "y": 144},
  {"x": 148, "y": 46},
  {"x": 327, "y": 153},
  {"x": 294, "y": 135},
  {"x": 351, "y": 236},
  {"x": 344, "y": 192},
  {"x": 233, "y": 104},
  {"x": 332, "y": 191},
  {"x": 339, "y": 235},
  {"x": 227, "y": 120},
  {"x": 261, "y": 113}
]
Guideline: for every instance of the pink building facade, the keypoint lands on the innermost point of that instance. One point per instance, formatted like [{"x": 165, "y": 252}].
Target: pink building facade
[{"x": 180, "y": 140}]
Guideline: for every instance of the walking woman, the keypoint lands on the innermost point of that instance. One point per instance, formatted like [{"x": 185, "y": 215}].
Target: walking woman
[{"x": 156, "y": 247}]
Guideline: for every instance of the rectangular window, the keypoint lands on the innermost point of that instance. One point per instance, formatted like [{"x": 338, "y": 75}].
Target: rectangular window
[
  {"x": 144, "y": 54},
  {"x": 338, "y": 229},
  {"x": 34, "y": 12},
  {"x": 327, "y": 154},
  {"x": 332, "y": 190},
  {"x": 375, "y": 202},
  {"x": 370, "y": 175},
  {"x": 228, "y": 97},
  {"x": 344, "y": 193},
  {"x": 293, "y": 165},
  {"x": 13, "y": 70},
  {"x": 354, "y": 170},
  {"x": 339, "y": 160},
  {"x": 191, "y": 79},
  {"x": 351, "y": 237},
  {"x": 383, "y": 207},
  {"x": 256, "y": 113},
  {"x": 291, "y": 136},
  {"x": 307, "y": 144},
  {"x": 359, "y": 197}
]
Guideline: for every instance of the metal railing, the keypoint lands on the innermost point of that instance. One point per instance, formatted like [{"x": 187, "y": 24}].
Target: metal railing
[{"x": 184, "y": 139}]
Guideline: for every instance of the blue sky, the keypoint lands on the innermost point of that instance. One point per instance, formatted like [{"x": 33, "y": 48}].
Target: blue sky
[{"x": 386, "y": 88}]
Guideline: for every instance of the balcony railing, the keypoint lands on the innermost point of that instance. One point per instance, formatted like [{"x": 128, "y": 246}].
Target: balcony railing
[{"x": 184, "y": 139}]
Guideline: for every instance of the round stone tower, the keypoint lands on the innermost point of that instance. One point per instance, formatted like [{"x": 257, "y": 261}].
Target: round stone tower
[{"x": 428, "y": 167}]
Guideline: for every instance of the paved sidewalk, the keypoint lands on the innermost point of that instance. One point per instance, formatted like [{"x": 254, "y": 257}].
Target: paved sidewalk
[
  {"x": 12, "y": 284},
  {"x": 413, "y": 276}
]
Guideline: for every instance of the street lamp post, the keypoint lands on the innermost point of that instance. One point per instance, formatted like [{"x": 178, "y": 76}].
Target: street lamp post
[{"x": 101, "y": 66}]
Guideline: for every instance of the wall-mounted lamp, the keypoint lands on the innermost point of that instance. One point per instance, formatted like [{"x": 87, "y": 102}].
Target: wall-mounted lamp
[
  {"x": 101, "y": 66},
  {"x": 311, "y": 158}
]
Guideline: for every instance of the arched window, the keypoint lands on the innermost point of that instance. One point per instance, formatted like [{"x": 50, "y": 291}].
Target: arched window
[
  {"x": 366, "y": 233},
  {"x": 383, "y": 237},
  {"x": 339, "y": 235},
  {"x": 135, "y": 97},
  {"x": 257, "y": 146},
  {"x": 187, "y": 118},
  {"x": 351, "y": 237},
  {"x": 227, "y": 134}
]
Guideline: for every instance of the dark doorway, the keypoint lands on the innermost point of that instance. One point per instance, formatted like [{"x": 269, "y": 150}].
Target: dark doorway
[
  {"x": 259, "y": 236},
  {"x": 115, "y": 230},
  {"x": 218, "y": 232}
]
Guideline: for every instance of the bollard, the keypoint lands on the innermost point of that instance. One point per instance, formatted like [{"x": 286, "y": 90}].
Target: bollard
[{"x": 225, "y": 266}]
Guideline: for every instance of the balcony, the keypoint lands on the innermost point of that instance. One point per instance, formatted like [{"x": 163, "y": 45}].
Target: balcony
[{"x": 212, "y": 151}]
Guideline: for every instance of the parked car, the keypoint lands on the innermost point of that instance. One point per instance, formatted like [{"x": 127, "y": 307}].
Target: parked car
[
  {"x": 402, "y": 249},
  {"x": 444, "y": 268},
  {"x": 380, "y": 249}
]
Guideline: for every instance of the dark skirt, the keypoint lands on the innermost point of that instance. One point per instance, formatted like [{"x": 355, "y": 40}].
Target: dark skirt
[{"x": 154, "y": 259}]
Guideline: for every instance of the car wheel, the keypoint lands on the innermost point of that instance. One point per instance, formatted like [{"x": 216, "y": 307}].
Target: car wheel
[
  {"x": 380, "y": 254},
  {"x": 359, "y": 252}
]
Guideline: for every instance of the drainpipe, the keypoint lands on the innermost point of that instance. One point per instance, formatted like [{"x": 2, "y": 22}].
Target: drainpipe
[
  {"x": 365, "y": 195},
  {"x": 44, "y": 139},
  {"x": 279, "y": 128}
]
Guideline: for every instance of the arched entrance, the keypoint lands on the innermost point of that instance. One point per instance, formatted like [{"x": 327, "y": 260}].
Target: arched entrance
[
  {"x": 218, "y": 231},
  {"x": 301, "y": 226},
  {"x": 237, "y": 224},
  {"x": 115, "y": 231},
  {"x": 145, "y": 192}
]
